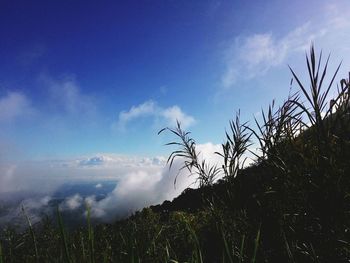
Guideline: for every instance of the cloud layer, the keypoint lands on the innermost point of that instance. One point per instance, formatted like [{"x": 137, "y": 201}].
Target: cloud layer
[
  {"x": 141, "y": 188},
  {"x": 140, "y": 182}
]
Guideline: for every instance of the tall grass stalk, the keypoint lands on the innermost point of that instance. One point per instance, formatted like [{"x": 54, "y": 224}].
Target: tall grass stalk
[
  {"x": 277, "y": 125},
  {"x": 32, "y": 235},
  {"x": 315, "y": 97},
  {"x": 228, "y": 251},
  {"x": 237, "y": 143},
  {"x": 82, "y": 246},
  {"x": 256, "y": 246},
  {"x": 167, "y": 253},
  {"x": 289, "y": 252},
  {"x": 1, "y": 255},
  {"x": 206, "y": 174},
  {"x": 10, "y": 239},
  {"x": 90, "y": 235},
  {"x": 197, "y": 252},
  {"x": 63, "y": 236},
  {"x": 241, "y": 250}
]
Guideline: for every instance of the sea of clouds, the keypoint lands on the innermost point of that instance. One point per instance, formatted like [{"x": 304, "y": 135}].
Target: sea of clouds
[{"x": 140, "y": 182}]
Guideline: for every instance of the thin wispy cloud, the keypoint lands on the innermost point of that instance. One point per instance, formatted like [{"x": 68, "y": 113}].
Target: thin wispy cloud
[
  {"x": 256, "y": 54},
  {"x": 145, "y": 109},
  {"x": 167, "y": 116},
  {"x": 67, "y": 96},
  {"x": 14, "y": 105}
]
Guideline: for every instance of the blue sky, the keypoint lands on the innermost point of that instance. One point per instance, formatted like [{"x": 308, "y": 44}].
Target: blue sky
[{"x": 82, "y": 77}]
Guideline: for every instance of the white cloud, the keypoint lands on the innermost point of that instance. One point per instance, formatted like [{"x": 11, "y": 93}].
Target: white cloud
[
  {"x": 150, "y": 109},
  {"x": 254, "y": 55},
  {"x": 207, "y": 152},
  {"x": 72, "y": 202},
  {"x": 14, "y": 105},
  {"x": 142, "y": 188},
  {"x": 261, "y": 48},
  {"x": 29, "y": 182},
  {"x": 140, "y": 182},
  {"x": 67, "y": 96},
  {"x": 174, "y": 113},
  {"x": 138, "y": 189},
  {"x": 95, "y": 160},
  {"x": 147, "y": 108},
  {"x": 50, "y": 174},
  {"x": 334, "y": 14}
]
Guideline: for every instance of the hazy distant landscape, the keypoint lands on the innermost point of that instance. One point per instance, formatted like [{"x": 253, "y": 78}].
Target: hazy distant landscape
[{"x": 69, "y": 197}]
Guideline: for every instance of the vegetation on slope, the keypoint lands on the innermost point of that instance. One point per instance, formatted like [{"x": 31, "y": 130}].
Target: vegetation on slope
[{"x": 291, "y": 205}]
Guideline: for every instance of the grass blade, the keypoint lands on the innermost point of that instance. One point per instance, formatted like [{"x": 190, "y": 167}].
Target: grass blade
[
  {"x": 32, "y": 235},
  {"x": 256, "y": 246},
  {"x": 63, "y": 235},
  {"x": 91, "y": 236},
  {"x": 241, "y": 249},
  {"x": 1, "y": 255},
  {"x": 289, "y": 252},
  {"x": 227, "y": 249}
]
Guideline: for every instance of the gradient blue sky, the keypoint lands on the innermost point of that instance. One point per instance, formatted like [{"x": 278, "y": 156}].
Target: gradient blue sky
[{"x": 84, "y": 77}]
